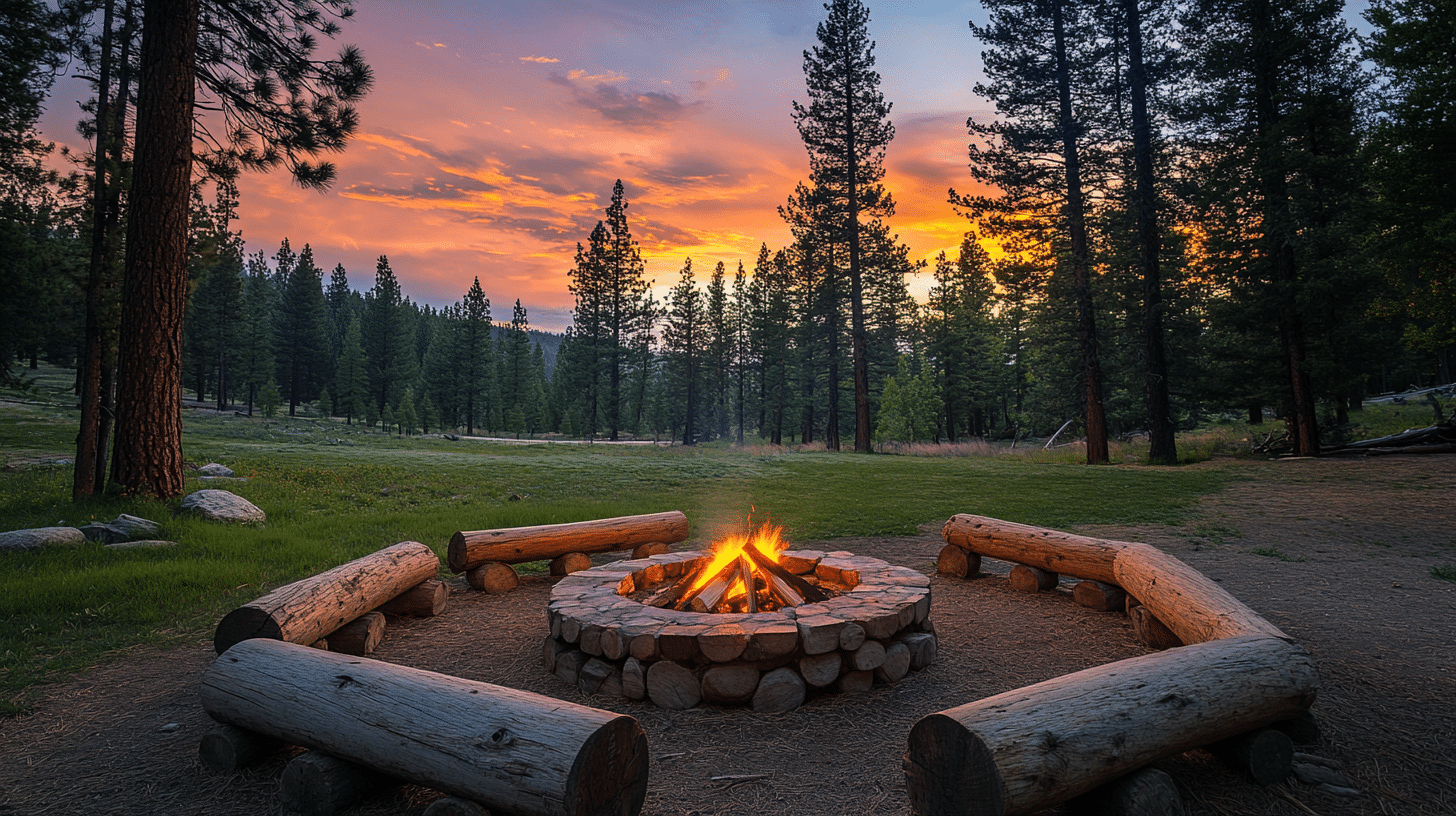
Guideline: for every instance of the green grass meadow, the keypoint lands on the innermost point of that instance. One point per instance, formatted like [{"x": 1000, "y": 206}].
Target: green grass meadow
[{"x": 333, "y": 492}]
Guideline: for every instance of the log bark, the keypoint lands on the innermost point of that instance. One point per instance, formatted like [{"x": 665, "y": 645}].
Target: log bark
[
  {"x": 360, "y": 636},
  {"x": 515, "y": 545},
  {"x": 1195, "y": 608},
  {"x": 1144, "y": 792},
  {"x": 455, "y": 806},
  {"x": 306, "y": 610},
  {"x": 1099, "y": 596},
  {"x": 997, "y": 755},
  {"x": 227, "y": 748},
  {"x": 493, "y": 578},
  {"x": 424, "y": 601},
  {"x": 316, "y": 784},
  {"x": 510, "y": 750},
  {"x": 1151, "y": 631},
  {"x": 1051, "y": 550},
  {"x": 567, "y": 563},
  {"x": 1032, "y": 579},
  {"x": 1265, "y": 755}
]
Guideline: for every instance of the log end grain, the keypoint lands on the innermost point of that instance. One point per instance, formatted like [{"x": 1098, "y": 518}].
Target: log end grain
[
  {"x": 358, "y": 637},
  {"x": 1144, "y": 792},
  {"x": 673, "y": 685},
  {"x": 493, "y": 578},
  {"x": 1265, "y": 755},
  {"x": 730, "y": 684},
  {"x": 244, "y": 623},
  {"x": 609, "y": 776},
  {"x": 952, "y": 561},
  {"x": 455, "y": 806},
  {"x": 227, "y": 748},
  {"x": 780, "y": 691},
  {"x": 316, "y": 784},
  {"x": 950, "y": 771},
  {"x": 568, "y": 563}
]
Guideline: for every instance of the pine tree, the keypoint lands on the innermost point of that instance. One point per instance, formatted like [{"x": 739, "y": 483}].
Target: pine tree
[
  {"x": 255, "y": 363},
  {"x": 516, "y": 373},
  {"x": 300, "y": 330},
  {"x": 774, "y": 330},
  {"x": 351, "y": 375},
  {"x": 474, "y": 363},
  {"x": 963, "y": 346},
  {"x": 1273, "y": 108},
  {"x": 1039, "y": 52},
  {"x": 684, "y": 339},
  {"x": 720, "y": 349},
  {"x": 739, "y": 317},
  {"x": 269, "y": 399},
  {"x": 846, "y": 130},
  {"x": 389, "y": 346}
]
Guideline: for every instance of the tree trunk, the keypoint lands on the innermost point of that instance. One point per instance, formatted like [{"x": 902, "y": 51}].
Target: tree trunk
[
  {"x": 149, "y": 400},
  {"x": 1093, "y": 414},
  {"x": 1162, "y": 448},
  {"x": 83, "y": 481},
  {"x": 511, "y": 750},
  {"x": 516, "y": 545}
]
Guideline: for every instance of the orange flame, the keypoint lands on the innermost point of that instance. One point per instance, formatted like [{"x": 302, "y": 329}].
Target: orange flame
[{"x": 726, "y": 550}]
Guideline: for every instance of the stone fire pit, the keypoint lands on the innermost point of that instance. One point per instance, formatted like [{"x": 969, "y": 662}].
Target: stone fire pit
[{"x": 603, "y": 640}]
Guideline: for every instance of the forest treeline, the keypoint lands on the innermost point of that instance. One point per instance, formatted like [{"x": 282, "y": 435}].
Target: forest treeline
[{"x": 1180, "y": 210}]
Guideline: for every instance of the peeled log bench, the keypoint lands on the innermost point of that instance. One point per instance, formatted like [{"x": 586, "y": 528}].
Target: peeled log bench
[
  {"x": 1051, "y": 550},
  {"x": 516, "y": 545},
  {"x": 510, "y": 750},
  {"x": 1034, "y": 747},
  {"x": 306, "y": 610},
  {"x": 1191, "y": 605}
]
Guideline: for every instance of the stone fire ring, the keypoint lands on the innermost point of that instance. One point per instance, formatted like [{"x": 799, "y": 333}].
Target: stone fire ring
[{"x": 876, "y": 630}]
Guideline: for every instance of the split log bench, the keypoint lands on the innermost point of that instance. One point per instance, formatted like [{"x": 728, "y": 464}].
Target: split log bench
[
  {"x": 486, "y": 556},
  {"x": 1044, "y": 744},
  {"x": 506, "y": 749},
  {"x": 398, "y": 579}
]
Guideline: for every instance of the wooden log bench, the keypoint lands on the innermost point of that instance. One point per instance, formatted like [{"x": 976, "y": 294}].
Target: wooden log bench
[
  {"x": 485, "y": 556},
  {"x": 509, "y": 750},
  {"x": 1029, "y": 749},
  {"x": 308, "y": 610}
]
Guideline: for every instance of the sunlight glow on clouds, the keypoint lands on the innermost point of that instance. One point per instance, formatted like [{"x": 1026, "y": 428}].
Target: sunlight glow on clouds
[{"x": 473, "y": 160}]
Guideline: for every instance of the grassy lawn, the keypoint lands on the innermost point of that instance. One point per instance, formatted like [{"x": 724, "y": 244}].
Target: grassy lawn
[{"x": 333, "y": 492}]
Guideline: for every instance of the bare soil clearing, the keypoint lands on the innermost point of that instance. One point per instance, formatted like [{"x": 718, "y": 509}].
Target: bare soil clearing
[{"x": 1348, "y": 549}]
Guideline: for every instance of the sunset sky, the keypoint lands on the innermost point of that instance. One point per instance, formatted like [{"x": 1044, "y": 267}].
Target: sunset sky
[{"x": 495, "y": 131}]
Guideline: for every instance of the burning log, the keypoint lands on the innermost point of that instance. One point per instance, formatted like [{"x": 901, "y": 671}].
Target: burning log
[
  {"x": 807, "y": 592},
  {"x": 712, "y": 592},
  {"x": 672, "y": 593}
]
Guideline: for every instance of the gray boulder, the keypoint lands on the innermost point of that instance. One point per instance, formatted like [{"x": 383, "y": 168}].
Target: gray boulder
[
  {"x": 36, "y": 538},
  {"x": 215, "y": 470},
  {"x": 220, "y": 505},
  {"x": 121, "y": 528}
]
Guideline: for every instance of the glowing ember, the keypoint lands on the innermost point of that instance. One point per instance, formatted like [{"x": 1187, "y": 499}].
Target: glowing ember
[{"x": 742, "y": 575}]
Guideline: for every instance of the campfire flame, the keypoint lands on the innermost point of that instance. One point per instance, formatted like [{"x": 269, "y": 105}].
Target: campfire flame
[{"x": 742, "y": 575}]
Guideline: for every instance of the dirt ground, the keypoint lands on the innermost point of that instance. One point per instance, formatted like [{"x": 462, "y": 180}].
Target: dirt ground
[{"x": 1347, "y": 550}]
